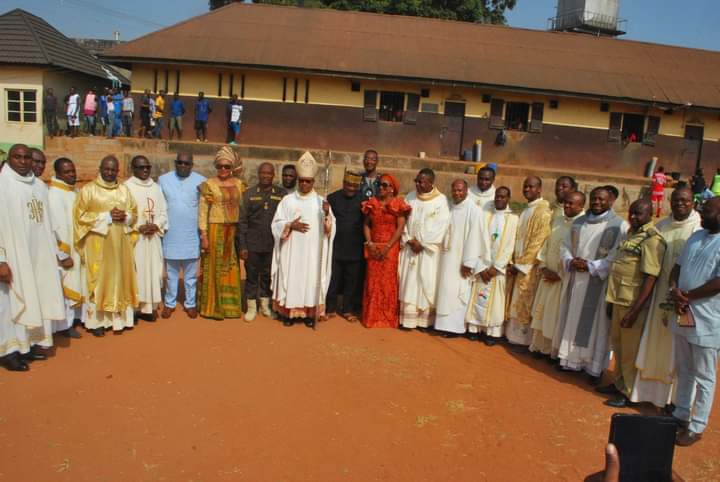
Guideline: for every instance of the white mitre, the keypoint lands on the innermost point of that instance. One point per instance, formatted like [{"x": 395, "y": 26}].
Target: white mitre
[{"x": 307, "y": 166}]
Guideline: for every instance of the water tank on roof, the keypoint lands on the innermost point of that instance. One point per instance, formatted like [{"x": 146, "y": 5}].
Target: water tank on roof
[{"x": 597, "y": 17}]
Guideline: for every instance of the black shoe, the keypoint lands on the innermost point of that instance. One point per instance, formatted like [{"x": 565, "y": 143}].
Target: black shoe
[
  {"x": 404, "y": 328},
  {"x": 149, "y": 317},
  {"x": 309, "y": 322},
  {"x": 669, "y": 409},
  {"x": 537, "y": 355},
  {"x": 117, "y": 332},
  {"x": 71, "y": 333},
  {"x": 33, "y": 355},
  {"x": 422, "y": 329},
  {"x": 519, "y": 349},
  {"x": 98, "y": 332},
  {"x": 14, "y": 363},
  {"x": 490, "y": 341},
  {"x": 608, "y": 390},
  {"x": 594, "y": 381},
  {"x": 620, "y": 402},
  {"x": 473, "y": 336},
  {"x": 288, "y": 322},
  {"x": 446, "y": 334}
]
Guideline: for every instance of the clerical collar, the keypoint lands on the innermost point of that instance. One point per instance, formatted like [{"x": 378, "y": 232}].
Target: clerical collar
[
  {"x": 428, "y": 196},
  {"x": 60, "y": 184},
  {"x": 104, "y": 184},
  {"x": 693, "y": 218},
  {"x": 301, "y": 195},
  {"x": 10, "y": 172},
  {"x": 598, "y": 218},
  {"x": 535, "y": 202},
  {"x": 146, "y": 183}
]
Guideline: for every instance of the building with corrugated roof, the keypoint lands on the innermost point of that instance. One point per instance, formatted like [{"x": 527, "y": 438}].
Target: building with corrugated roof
[
  {"x": 34, "y": 56},
  {"x": 342, "y": 80}
]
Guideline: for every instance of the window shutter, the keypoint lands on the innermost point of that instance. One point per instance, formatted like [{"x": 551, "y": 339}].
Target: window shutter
[
  {"x": 496, "y": 114},
  {"x": 413, "y": 104},
  {"x": 370, "y": 112},
  {"x": 653, "y": 127},
  {"x": 615, "y": 132},
  {"x": 536, "y": 118}
]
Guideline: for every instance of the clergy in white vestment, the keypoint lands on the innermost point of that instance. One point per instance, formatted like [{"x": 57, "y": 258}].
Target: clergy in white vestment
[
  {"x": 564, "y": 185},
  {"x": 583, "y": 329},
  {"x": 656, "y": 359},
  {"x": 545, "y": 310},
  {"x": 465, "y": 253},
  {"x": 420, "y": 252},
  {"x": 30, "y": 289},
  {"x": 152, "y": 223},
  {"x": 533, "y": 230},
  {"x": 304, "y": 230},
  {"x": 484, "y": 192},
  {"x": 488, "y": 299},
  {"x": 104, "y": 220},
  {"x": 62, "y": 194}
]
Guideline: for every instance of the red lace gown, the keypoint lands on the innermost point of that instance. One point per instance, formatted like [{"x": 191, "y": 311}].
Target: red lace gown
[{"x": 380, "y": 303}]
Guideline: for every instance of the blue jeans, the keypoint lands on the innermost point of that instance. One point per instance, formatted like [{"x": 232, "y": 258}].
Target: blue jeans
[
  {"x": 696, "y": 368},
  {"x": 189, "y": 268}
]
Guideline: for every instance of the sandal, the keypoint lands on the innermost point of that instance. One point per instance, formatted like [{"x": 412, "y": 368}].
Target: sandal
[{"x": 351, "y": 318}]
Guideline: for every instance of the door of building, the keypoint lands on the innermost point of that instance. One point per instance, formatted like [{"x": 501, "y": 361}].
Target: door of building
[
  {"x": 451, "y": 134},
  {"x": 693, "y": 144}
]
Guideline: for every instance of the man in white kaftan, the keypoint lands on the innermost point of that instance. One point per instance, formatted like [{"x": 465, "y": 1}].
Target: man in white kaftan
[
  {"x": 30, "y": 289},
  {"x": 304, "y": 231},
  {"x": 152, "y": 223},
  {"x": 484, "y": 192},
  {"x": 546, "y": 307},
  {"x": 488, "y": 300},
  {"x": 420, "y": 253},
  {"x": 62, "y": 194},
  {"x": 656, "y": 358},
  {"x": 465, "y": 253},
  {"x": 582, "y": 334}
]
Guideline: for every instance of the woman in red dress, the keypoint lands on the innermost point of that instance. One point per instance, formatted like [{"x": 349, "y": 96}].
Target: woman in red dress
[{"x": 384, "y": 222}]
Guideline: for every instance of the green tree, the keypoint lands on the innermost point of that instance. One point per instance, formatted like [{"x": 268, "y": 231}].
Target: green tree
[{"x": 479, "y": 11}]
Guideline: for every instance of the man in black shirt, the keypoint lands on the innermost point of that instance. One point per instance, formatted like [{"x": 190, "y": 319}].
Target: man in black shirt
[
  {"x": 348, "y": 264},
  {"x": 50, "y": 112},
  {"x": 255, "y": 240}
]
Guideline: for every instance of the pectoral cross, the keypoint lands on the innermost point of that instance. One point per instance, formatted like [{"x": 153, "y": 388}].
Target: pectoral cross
[
  {"x": 36, "y": 211},
  {"x": 150, "y": 212}
]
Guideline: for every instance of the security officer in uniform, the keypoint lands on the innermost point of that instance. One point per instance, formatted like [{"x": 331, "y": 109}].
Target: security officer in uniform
[
  {"x": 633, "y": 273},
  {"x": 255, "y": 240},
  {"x": 370, "y": 183}
]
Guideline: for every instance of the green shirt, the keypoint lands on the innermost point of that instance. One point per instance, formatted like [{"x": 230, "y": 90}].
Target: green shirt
[{"x": 639, "y": 255}]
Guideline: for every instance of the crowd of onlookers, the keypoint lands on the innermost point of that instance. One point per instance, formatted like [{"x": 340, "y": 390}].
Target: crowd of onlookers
[{"x": 112, "y": 112}]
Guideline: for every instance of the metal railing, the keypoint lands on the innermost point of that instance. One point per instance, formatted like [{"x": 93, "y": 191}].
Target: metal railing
[{"x": 584, "y": 20}]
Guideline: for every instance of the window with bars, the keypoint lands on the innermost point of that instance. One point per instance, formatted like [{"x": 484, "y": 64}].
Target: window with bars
[{"x": 21, "y": 105}]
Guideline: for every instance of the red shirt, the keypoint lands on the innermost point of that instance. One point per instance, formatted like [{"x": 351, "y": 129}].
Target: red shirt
[{"x": 659, "y": 180}]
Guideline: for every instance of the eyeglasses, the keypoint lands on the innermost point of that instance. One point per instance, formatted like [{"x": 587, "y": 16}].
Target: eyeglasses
[
  {"x": 385, "y": 185},
  {"x": 223, "y": 167},
  {"x": 183, "y": 163}
]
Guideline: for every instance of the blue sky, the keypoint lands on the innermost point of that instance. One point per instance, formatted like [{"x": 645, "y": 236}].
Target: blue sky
[{"x": 691, "y": 23}]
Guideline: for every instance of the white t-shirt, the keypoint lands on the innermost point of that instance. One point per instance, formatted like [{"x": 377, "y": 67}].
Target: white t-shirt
[
  {"x": 72, "y": 105},
  {"x": 236, "y": 112}
]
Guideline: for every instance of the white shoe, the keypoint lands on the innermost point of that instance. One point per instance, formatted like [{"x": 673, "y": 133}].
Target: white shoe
[
  {"x": 251, "y": 311},
  {"x": 265, "y": 307}
]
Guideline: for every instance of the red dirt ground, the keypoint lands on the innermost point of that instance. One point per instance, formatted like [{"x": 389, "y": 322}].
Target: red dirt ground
[{"x": 200, "y": 400}]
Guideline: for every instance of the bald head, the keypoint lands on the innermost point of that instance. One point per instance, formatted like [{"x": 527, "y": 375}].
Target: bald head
[
  {"x": 710, "y": 215},
  {"x": 640, "y": 213},
  {"x": 532, "y": 188},
  {"x": 573, "y": 204},
  {"x": 109, "y": 168},
  {"x": 20, "y": 159}
]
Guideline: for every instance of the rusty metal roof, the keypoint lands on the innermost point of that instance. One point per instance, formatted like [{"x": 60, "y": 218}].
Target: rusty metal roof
[
  {"x": 430, "y": 50},
  {"x": 27, "y": 39}
]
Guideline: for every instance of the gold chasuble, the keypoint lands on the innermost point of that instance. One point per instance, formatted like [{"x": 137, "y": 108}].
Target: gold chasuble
[{"x": 106, "y": 249}]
